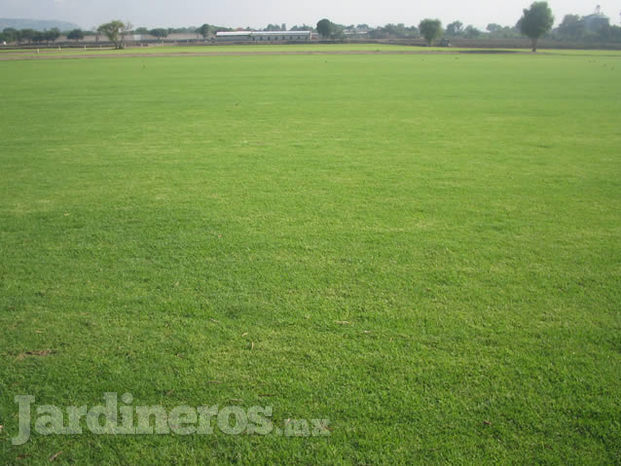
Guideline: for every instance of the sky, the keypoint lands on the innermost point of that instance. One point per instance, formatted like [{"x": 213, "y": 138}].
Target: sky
[{"x": 258, "y": 13}]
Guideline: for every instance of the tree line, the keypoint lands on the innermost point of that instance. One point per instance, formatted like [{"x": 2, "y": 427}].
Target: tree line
[
  {"x": 29, "y": 35},
  {"x": 536, "y": 22}
]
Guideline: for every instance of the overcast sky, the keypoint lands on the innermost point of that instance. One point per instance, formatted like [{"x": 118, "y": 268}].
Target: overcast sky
[{"x": 258, "y": 13}]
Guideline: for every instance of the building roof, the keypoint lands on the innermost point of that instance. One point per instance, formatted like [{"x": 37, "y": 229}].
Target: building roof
[
  {"x": 260, "y": 33},
  {"x": 233, "y": 33},
  {"x": 597, "y": 16},
  {"x": 279, "y": 33}
]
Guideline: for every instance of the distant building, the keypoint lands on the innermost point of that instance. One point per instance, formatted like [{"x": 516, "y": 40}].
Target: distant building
[
  {"x": 597, "y": 21},
  {"x": 264, "y": 36}
]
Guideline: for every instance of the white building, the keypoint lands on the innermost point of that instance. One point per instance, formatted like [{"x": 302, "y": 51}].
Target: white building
[{"x": 264, "y": 36}]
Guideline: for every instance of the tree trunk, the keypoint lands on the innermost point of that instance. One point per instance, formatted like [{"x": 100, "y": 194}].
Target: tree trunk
[{"x": 534, "y": 45}]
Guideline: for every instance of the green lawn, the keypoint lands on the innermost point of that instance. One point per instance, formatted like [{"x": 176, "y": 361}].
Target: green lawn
[
  {"x": 156, "y": 49},
  {"x": 423, "y": 249},
  {"x": 75, "y": 52}
]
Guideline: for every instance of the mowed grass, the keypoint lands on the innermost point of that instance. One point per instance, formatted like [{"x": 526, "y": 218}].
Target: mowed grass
[
  {"x": 423, "y": 249},
  {"x": 215, "y": 48}
]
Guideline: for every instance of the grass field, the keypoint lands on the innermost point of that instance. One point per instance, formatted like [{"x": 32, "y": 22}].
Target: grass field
[
  {"x": 218, "y": 48},
  {"x": 259, "y": 49},
  {"x": 423, "y": 249}
]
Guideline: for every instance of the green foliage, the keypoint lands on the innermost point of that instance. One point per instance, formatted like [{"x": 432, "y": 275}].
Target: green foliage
[
  {"x": 588, "y": 29},
  {"x": 536, "y": 21},
  {"x": 45, "y": 36},
  {"x": 114, "y": 31},
  {"x": 393, "y": 31},
  {"x": 430, "y": 29},
  {"x": 503, "y": 32},
  {"x": 10, "y": 34},
  {"x": 572, "y": 27},
  {"x": 160, "y": 33},
  {"x": 471, "y": 32},
  {"x": 303, "y": 27},
  {"x": 455, "y": 28},
  {"x": 326, "y": 28},
  {"x": 26, "y": 35},
  {"x": 208, "y": 29},
  {"x": 274, "y": 27},
  {"x": 493, "y": 28},
  {"x": 205, "y": 30},
  {"x": 76, "y": 34}
]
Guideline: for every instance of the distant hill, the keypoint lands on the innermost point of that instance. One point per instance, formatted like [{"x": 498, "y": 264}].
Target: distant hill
[{"x": 36, "y": 24}]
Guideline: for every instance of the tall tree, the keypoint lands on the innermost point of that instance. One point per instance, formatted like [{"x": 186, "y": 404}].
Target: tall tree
[
  {"x": 303, "y": 27},
  {"x": 455, "y": 28},
  {"x": 10, "y": 34},
  {"x": 493, "y": 28},
  {"x": 471, "y": 32},
  {"x": 430, "y": 29},
  {"x": 115, "y": 32},
  {"x": 26, "y": 35},
  {"x": 160, "y": 33},
  {"x": 51, "y": 35},
  {"x": 572, "y": 27},
  {"x": 204, "y": 30},
  {"x": 325, "y": 28},
  {"x": 76, "y": 34},
  {"x": 536, "y": 21}
]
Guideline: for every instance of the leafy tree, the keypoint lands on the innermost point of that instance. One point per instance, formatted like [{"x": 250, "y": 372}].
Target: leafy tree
[
  {"x": 471, "y": 32},
  {"x": 572, "y": 27},
  {"x": 26, "y": 35},
  {"x": 338, "y": 31},
  {"x": 10, "y": 34},
  {"x": 183, "y": 30},
  {"x": 45, "y": 36},
  {"x": 493, "y": 28},
  {"x": 160, "y": 33},
  {"x": 204, "y": 30},
  {"x": 505, "y": 32},
  {"x": 615, "y": 33},
  {"x": 142, "y": 31},
  {"x": 431, "y": 29},
  {"x": 303, "y": 27},
  {"x": 76, "y": 34},
  {"x": 536, "y": 21},
  {"x": 325, "y": 28},
  {"x": 455, "y": 28},
  {"x": 393, "y": 30},
  {"x": 52, "y": 35},
  {"x": 38, "y": 37},
  {"x": 115, "y": 32}
]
